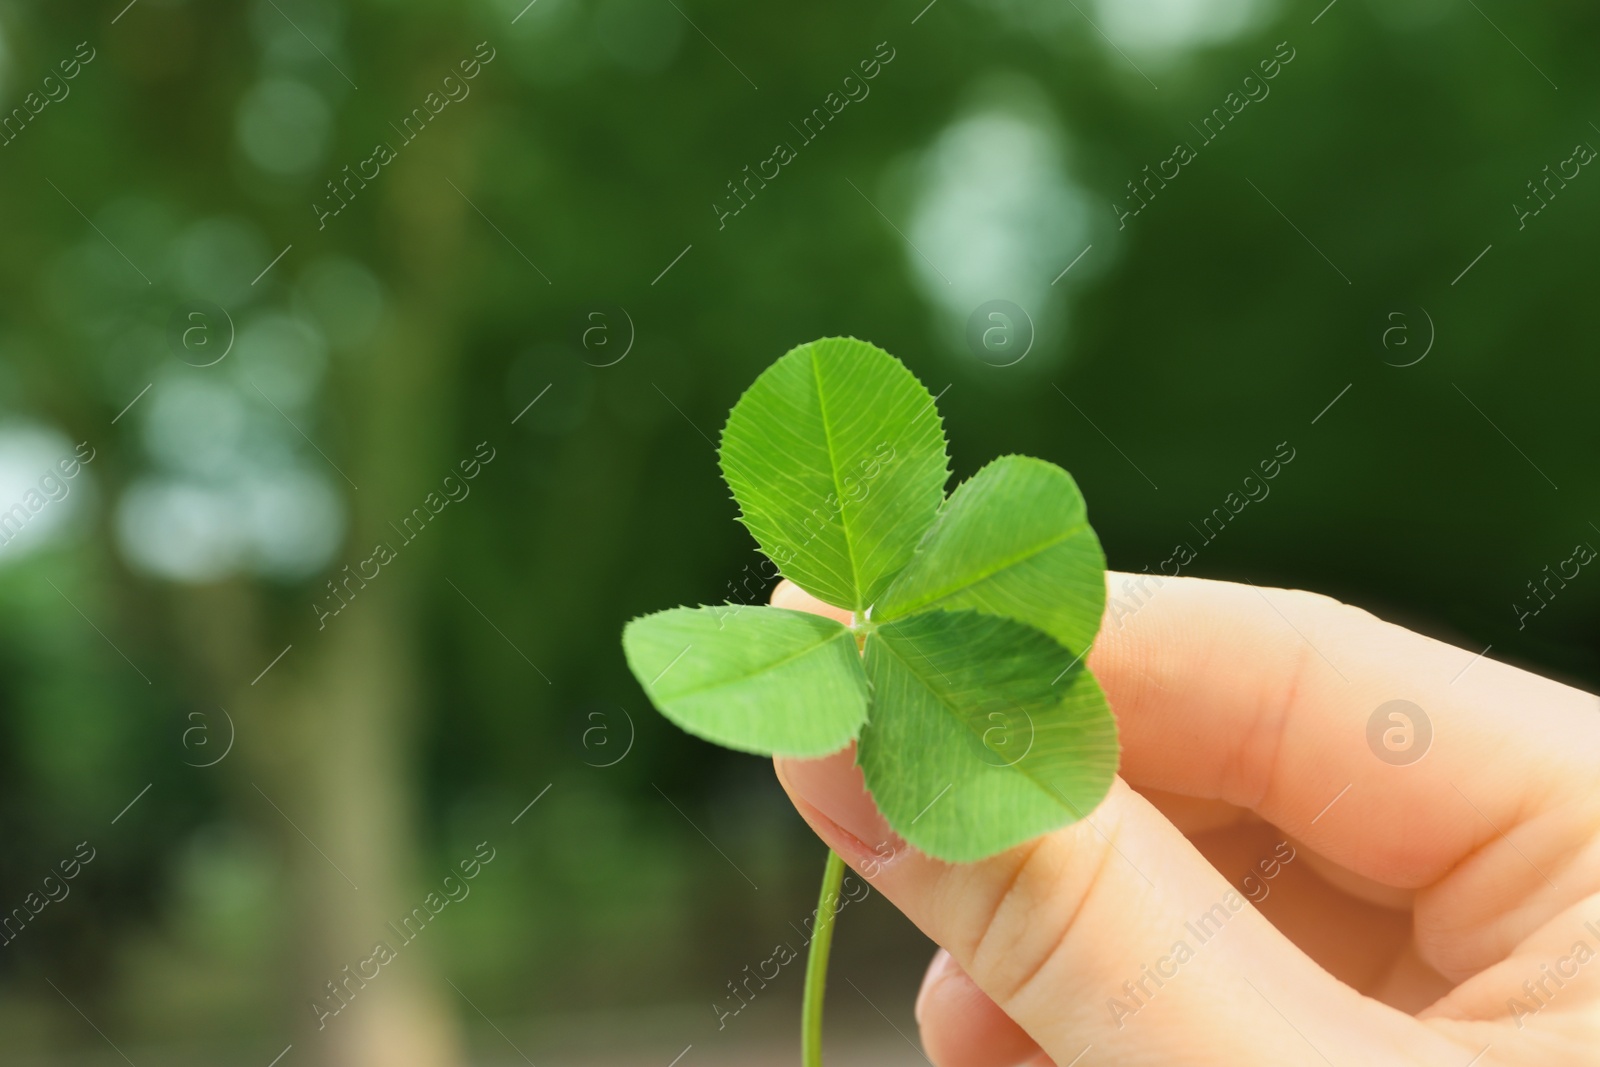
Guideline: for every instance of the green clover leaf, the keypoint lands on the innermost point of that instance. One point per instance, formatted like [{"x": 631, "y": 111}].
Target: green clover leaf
[
  {"x": 1014, "y": 540},
  {"x": 757, "y": 679},
  {"x": 836, "y": 458},
  {"x": 961, "y": 676},
  {"x": 983, "y": 733}
]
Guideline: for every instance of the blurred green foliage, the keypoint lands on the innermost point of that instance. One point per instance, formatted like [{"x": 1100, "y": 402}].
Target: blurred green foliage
[{"x": 579, "y": 177}]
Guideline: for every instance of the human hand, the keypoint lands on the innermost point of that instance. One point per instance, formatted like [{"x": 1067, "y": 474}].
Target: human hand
[{"x": 1442, "y": 912}]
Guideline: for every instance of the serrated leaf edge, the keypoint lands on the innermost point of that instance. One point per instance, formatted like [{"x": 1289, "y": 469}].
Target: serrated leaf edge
[{"x": 933, "y": 401}]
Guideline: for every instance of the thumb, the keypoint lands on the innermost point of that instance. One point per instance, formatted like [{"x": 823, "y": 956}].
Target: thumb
[{"x": 1113, "y": 934}]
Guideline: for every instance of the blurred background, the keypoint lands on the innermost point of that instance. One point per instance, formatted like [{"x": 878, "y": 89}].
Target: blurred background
[{"x": 360, "y": 364}]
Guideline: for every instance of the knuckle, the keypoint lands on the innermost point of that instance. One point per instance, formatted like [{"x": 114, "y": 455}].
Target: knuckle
[{"x": 1030, "y": 919}]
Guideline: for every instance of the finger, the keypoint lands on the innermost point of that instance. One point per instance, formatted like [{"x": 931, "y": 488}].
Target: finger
[
  {"x": 1552, "y": 976},
  {"x": 962, "y": 1027},
  {"x": 1263, "y": 698},
  {"x": 1545, "y": 995},
  {"x": 1355, "y": 941},
  {"x": 1260, "y": 699},
  {"x": 788, "y": 595},
  {"x": 1076, "y": 937},
  {"x": 1196, "y": 815}
]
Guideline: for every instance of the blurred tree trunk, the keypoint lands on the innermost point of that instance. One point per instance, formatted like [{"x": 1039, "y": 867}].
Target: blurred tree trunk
[
  {"x": 327, "y": 736},
  {"x": 354, "y": 714}
]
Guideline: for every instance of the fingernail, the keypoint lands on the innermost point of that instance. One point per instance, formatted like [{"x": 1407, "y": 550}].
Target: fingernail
[
  {"x": 938, "y": 971},
  {"x": 834, "y": 787}
]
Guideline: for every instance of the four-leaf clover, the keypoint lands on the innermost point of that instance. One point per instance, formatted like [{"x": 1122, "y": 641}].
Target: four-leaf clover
[{"x": 961, "y": 676}]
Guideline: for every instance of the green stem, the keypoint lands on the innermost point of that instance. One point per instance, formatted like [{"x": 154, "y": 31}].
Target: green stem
[{"x": 817, "y": 963}]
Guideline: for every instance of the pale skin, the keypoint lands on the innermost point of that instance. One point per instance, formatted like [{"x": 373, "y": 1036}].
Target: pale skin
[{"x": 1414, "y": 911}]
